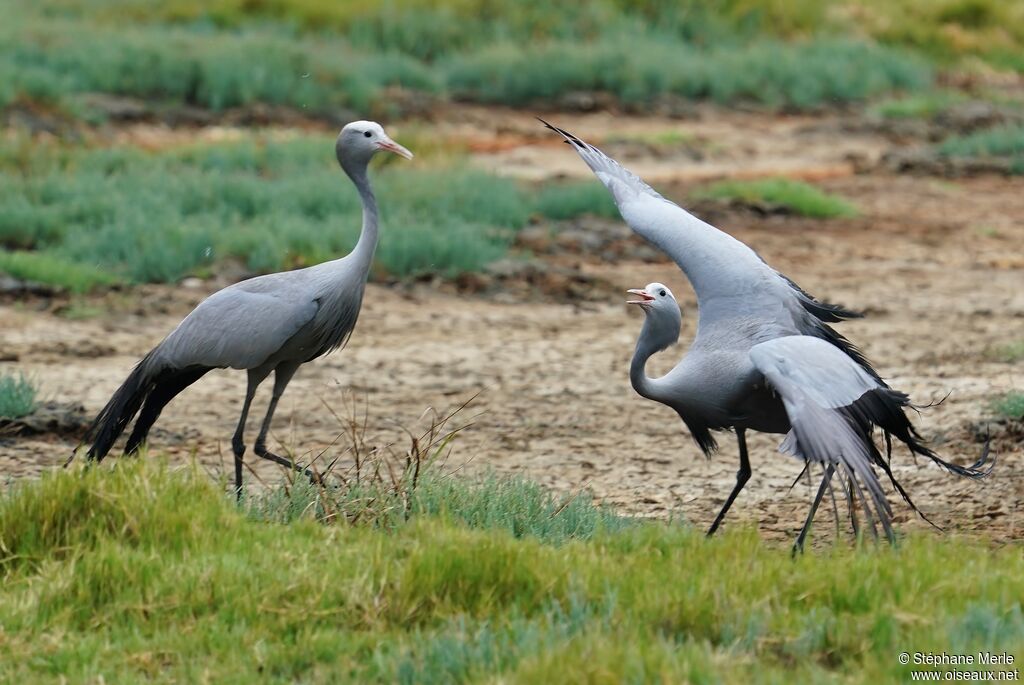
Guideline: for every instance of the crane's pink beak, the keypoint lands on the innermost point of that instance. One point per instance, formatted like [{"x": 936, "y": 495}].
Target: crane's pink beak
[
  {"x": 644, "y": 296},
  {"x": 392, "y": 146}
]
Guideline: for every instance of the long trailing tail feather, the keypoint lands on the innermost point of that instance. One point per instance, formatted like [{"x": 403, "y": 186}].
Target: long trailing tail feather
[
  {"x": 884, "y": 408},
  {"x": 121, "y": 409}
]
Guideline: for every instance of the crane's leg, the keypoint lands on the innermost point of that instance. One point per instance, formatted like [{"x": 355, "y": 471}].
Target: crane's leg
[
  {"x": 282, "y": 376},
  {"x": 854, "y": 521},
  {"x": 826, "y": 479},
  {"x": 256, "y": 377},
  {"x": 742, "y": 476}
]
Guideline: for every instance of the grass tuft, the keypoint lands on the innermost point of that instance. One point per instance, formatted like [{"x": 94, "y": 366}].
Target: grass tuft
[
  {"x": 51, "y": 269},
  {"x": 1010, "y": 406},
  {"x": 1009, "y": 353},
  {"x": 925, "y": 105},
  {"x": 17, "y": 396},
  {"x": 795, "y": 196},
  {"x": 1002, "y": 141},
  {"x": 385, "y": 489},
  {"x": 560, "y": 201},
  {"x": 637, "y": 71}
]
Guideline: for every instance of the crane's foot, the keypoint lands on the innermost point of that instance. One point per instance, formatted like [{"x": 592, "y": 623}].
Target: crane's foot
[
  {"x": 264, "y": 453},
  {"x": 798, "y": 546}
]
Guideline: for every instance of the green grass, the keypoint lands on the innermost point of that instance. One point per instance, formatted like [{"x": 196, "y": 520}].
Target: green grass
[
  {"x": 1010, "y": 405},
  {"x": 81, "y": 217},
  {"x": 53, "y": 270},
  {"x": 636, "y": 71},
  {"x": 232, "y": 54},
  {"x": 322, "y": 57},
  {"x": 947, "y": 30},
  {"x": 1001, "y": 141},
  {"x": 1010, "y": 352},
  {"x": 925, "y": 105},
  {"x": 944, "y": 29},
  {"x": 17, "y": 395},
  {"x": 51, "y": 60},
  {"x": 434, "y": 28},
  {"x": 569, "y": 200},
  {"x": 137, "y": 572},
  {"x": 795, "y": 196}
]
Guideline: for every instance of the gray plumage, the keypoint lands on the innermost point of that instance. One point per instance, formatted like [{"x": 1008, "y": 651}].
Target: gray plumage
[
  {"x": 272, "y": 323},
  {"x": 764, "y": 357}
]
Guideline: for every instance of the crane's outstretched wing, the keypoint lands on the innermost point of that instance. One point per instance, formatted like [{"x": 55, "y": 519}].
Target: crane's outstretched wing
[
  {"x": 239, "y": 327},
  {"x": 618, "y": 179},
  {"x": 727, "y": 275}
]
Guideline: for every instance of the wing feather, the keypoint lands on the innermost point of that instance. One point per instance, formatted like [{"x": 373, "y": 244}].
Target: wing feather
[
  {"x": 816, "y": 382},
  {"x": 617, "y": 178},
  {"x": 237, "y": 327}
]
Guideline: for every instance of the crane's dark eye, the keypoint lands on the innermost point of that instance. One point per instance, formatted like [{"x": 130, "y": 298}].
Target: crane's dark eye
[
  {"x": 367, "y": 134},
  {"x": 662, "y": 293}
]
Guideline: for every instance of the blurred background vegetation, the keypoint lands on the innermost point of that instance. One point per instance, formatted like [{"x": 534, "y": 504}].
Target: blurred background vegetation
[
  {"x": 79, "y": 216},
  {"x": 225, "y": 53}
]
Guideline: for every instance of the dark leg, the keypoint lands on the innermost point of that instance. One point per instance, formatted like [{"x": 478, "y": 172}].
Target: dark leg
[
  {"x": 256, "y": 377},
  {"x": 282, "y": 376},
  {"x": 854, "y": 523},
  {"x": 826, "y": 479},
  {"x": 742, "y": 476},
  {"x": 163, "y": 393}
]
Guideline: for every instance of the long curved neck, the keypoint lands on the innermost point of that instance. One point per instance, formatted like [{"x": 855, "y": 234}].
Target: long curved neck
[
  {"x": 367, "y": 244},
  {"x": 645, "y": 349}
]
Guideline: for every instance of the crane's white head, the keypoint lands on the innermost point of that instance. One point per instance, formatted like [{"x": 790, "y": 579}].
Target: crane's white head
[
  {"x": 359, "y": 141},
  {"x": 663, "y": 318}
]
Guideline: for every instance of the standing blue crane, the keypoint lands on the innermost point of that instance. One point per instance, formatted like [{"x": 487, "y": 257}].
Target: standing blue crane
[
  {"x": 272, "y": 323},
  {"x": 764, "y": 357}
]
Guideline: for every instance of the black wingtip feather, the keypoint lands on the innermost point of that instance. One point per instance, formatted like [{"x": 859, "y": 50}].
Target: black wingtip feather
[
  {"x": 569, "y": 138},
  {"x": 885, "y": 408}
]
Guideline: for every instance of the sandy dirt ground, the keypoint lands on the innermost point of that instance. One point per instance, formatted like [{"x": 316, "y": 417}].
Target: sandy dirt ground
[{"x": 938, "y": 266}]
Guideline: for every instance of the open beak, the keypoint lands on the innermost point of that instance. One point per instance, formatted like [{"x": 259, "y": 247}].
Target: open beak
[
  {"x": 392, "y": 146},
  {"x": 644, "y": 296}
]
